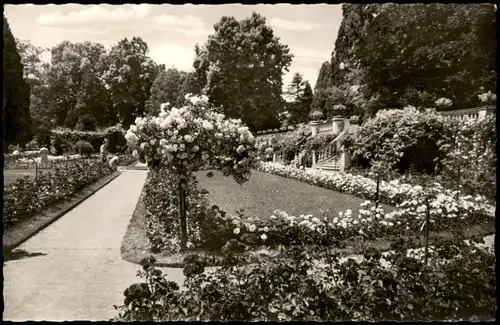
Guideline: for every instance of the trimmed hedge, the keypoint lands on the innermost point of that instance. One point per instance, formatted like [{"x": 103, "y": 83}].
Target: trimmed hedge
[{"x": 66, "y": 140}]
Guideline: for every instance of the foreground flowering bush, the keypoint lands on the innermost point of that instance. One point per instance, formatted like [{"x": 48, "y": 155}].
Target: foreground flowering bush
[
  {"x": 459, "y": 283},
  {"x": 187, "y": 139},
  {"x": 26, "y": 197}
]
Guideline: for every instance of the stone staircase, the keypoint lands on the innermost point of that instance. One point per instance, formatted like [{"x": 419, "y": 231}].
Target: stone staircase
[{"x": 332, "y": 164}]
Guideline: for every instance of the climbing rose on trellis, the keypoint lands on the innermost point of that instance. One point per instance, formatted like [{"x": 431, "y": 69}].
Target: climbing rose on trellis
[{"x": 187, "y": 139}]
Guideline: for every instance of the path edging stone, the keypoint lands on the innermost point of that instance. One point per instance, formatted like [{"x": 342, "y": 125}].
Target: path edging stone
[{"x": 46, "y": 218}]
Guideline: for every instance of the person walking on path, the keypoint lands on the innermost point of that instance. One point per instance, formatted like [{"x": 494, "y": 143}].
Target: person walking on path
[{"x": 104, "y": 150}]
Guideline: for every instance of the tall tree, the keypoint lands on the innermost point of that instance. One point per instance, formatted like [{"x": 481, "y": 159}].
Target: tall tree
[
  {"x": 324, "y": 76},
  {"x": 420, "y": 53},
  {"x": 166, "y": 88},
  {"x": 35, "y": 73},
  {"x": 300, "y": 97},
  {"x": 242, "y": 64},
  {"x": 92, "y": 101},
  {"x": 130, "y": 75},
  {"x": 73, "y": 66},
  {"x": 16, "y": 94},
  {"x": 323, "y": 82}
]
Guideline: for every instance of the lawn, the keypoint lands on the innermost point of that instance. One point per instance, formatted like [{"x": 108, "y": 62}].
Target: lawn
[{"x": 264, "y": 193}]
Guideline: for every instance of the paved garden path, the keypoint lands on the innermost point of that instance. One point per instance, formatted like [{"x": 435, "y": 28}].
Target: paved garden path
[{"x": 73, "y": 270}]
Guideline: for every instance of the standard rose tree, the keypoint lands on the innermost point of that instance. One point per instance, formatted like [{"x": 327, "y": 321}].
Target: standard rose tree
[{"x": 187, "y": 139}]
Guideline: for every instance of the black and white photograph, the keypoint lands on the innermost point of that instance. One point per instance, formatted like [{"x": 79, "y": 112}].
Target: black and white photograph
[{"x": 249, "y": 162}]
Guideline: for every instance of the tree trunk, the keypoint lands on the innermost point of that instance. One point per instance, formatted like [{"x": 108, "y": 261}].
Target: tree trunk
[
  {"x": 182, "y": 215},
  {"x": 426, "y": 234},
  {"x": 377, "y": 198}
]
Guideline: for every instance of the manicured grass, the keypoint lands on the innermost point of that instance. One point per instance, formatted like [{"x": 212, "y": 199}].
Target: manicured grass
[{"x": 264, "y": 193}]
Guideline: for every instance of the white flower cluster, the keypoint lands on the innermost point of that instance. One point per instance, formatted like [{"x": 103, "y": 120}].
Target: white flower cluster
[
  {"x": 444, "y": 102},
  {"x": 488, "y": 97},
  {"x": 193, "y": 136}
]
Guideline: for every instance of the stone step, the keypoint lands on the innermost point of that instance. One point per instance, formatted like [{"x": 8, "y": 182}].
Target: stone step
[{"x": 336, "y": 169}]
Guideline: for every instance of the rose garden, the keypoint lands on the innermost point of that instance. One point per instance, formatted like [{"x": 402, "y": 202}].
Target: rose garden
[{"x": 340, "y": 216}]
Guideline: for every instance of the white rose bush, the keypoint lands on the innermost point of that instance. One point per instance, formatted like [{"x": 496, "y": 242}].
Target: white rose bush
[{"x": 191, "y": 138}]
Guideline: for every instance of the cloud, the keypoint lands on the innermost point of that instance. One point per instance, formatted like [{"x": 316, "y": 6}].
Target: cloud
[
  {"x": 141, "y": 10},
  {"x": 180, "y": 57},
  {"x": 95, "y": 13},
  {"x": 190, "y": 26},
  {"x": 81, "y": 31},
  {"x": 309, "y": 54},
  {"x": 296, "y": 25},
  {"x": 174, "y": 21}
]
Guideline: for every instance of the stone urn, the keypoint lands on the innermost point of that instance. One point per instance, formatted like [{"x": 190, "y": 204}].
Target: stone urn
[
  {"x": 337, "y": 124},
  {"x": 315, "y": 127}
]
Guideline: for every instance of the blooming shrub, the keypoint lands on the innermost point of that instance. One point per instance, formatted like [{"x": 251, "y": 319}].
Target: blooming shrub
[
  {"x": 488, "y": 97},
  {"x": 443, "y": 102},
  {"x": 469, "y": 159},
  {"x": 186, "y": 139},
  {"x": 402, "y": 138},
  {"x": 25, "y": 198},
  {"x": 295, "y": 287},
  {"x": 191, "y": 138}
]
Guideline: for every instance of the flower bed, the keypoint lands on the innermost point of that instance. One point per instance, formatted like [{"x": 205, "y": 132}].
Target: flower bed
[
  {"x": 458, "y": 283},
  {"x": 25, "y": 198},
  {"x": 22, "y": 162},
  {"x": 393, "y": 192},
  {"x": 210, "y": 228}
]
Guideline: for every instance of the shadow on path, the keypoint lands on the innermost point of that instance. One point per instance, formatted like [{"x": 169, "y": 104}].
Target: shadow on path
[{"x": 19, "y": 254}]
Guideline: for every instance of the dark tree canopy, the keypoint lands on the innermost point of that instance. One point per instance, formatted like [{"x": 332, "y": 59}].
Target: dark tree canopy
[
  {"x": 168, "y": 87},
  {"x": 241, "y": 67},
  {"x": 16, "y": 94}
]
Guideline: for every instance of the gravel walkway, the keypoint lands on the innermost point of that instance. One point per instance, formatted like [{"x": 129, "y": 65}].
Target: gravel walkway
[{"x": 73, "y": 269}]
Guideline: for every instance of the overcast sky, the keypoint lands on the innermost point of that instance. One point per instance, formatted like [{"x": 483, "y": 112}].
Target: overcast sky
[{"x": 171, "y": 31}]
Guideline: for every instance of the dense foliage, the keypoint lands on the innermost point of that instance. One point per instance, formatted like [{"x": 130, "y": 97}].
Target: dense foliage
[
  {"x": 16, "y": 94},
  {"x": 394, "y": 55},
  {"x": 27, "y": 197},
  {"x": 166, "y": 88},
  {"x": 295, "y": 287},
  {"x": 403, "y": 139},
  {"x": 241, "y": 66},
  {"x": 460, "y": 154}
]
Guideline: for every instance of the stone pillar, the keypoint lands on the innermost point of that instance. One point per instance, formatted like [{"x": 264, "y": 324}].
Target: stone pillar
[
  {"x": 481, "y": 114},
  {"x": 313, "y": 157}
]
